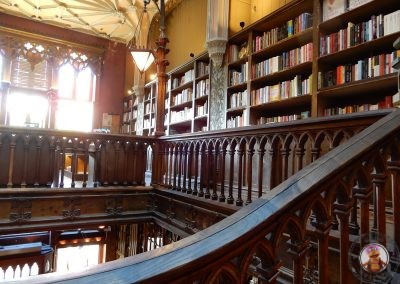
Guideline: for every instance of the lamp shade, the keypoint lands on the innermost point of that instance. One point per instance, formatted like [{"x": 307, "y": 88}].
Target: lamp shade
[{"x": 143, "y": 58}]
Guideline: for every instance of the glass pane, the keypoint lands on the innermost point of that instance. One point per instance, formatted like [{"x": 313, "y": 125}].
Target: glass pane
[
  {"x": 9, "y": 273},
  {"x": 83, "y": 85},
  {"x": 27, "y": 110},
  {"x": 25, "y": 270},
  {"x": 66, "y": 79},
  {"x": 74, "y": 115},
  {"x": 34, "y": 269},
  {"x": 77, "y": 258}
]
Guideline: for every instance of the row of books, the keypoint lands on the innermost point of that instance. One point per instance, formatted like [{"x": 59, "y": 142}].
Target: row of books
[
  {"x": 354, "y": 34},
  {"x": 235, "y": 121},
  {"x": 235, "y": 52},
  {"x": 333, "y": 8},
  {"x": 183, "y": 97},
  {"x": 147, "y": 123},
  {"x": 201, "y": 109},
  {"x": 284, "y": 118},
  {"x": 286, "y": 60},
  {"x": 182, "y": 115},
  {"x": 365, "y": 68},
  {"x": 203, "y": 88},
  {"x": 127, "y": 128},
  {"x": 127, "y": 116},
  {"x": 386, "y": 103},
  {"x": 238, "y": 99},
  {"x": 284, "y": 90},
  {"x": 187, "y": 77},
  {"x": 202, "y": 68},
  {"x": 148, "y": 108},
  {"x": 238, "y": 76},
  {"x": 130, "y": 103},
  {"x": 290, "y": 28}
]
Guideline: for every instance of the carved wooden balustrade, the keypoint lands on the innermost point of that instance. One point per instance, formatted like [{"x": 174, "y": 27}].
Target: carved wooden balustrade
[
  {"x": 36, "y": 158},
  {"x": 239, "y": 165},
  {"x": 339, "y": 197}
]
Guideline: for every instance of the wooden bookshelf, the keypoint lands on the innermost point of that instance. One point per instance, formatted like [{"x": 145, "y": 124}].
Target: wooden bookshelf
[
  {"x": 365, "y": 52},
  {"x": 293, "y": 37},
  {"x": 149, "y": 104},
  {"x": 188, "y": 94},
  {"x": 129, "y": 115}
]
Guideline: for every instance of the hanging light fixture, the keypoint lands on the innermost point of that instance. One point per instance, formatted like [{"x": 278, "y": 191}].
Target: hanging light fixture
[{"x": 143, "y": 57}]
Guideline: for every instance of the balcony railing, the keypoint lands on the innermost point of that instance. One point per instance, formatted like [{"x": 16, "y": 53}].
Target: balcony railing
[
  {"x": 319, "y": 176},
  {"x": 306, "y": 227},
  {"x": 45, "y": 158},
  {"x": 237, "y": 166}
]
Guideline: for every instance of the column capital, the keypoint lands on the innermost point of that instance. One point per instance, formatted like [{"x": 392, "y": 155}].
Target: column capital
[
  {"x": 216, "y": 50},
  {"x": 138, "y": 91}
]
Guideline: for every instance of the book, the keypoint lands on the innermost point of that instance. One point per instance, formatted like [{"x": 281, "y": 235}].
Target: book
[
  {"x": 357, "y": 3},
  {"x": 333, "y": 8}
]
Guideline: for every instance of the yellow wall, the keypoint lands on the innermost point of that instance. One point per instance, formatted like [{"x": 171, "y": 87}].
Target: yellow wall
[
  {"x": 186, "y": 30},
  {"x": 186, "y": 26},
  {"x": 249, "y": 11},
  {"x": 261, "y": 8},
  {"x": 239, "y": 11}
]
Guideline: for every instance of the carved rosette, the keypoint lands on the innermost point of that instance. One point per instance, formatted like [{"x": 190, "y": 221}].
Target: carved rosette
[
  {"x": 21, "y": 210},
  {"x": 190, "y": 219},
  {"x": 114, "y": 206},
  {"x": 216, "y": 50},
  {"x": 71, "y": 209}
]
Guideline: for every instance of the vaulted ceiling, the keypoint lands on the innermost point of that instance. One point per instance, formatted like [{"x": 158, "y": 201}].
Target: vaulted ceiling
[{"x": 113, "y": 19}]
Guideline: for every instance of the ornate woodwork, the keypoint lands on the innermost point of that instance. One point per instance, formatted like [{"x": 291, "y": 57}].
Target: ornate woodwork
[
  {"x": 288, "y": 233},
  {"x": 248, "y": 163}
]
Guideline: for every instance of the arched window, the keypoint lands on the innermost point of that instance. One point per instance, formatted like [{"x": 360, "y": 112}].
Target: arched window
[
  {"x": 27, "y": 102},
  {"x": 76, "y": 92}
]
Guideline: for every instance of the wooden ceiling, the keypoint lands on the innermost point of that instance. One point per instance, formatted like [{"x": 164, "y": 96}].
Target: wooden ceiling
[{"x": 112, "y": 19}]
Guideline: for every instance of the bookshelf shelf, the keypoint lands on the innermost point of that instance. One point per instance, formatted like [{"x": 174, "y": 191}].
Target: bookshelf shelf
[
  {"x": 236, "y": 110},
  {"x": 189, "y": 98},
  {"x": 359, "y": 14},
  {"x": 299, "y": 101},
  {"x": 201, "y": 99},
  {"x": 183, "y": 123},
  {"x": 183, "y": 87},
  {"x": 181, "y": 106},
  {"x": 365, "y": 49},
  {"x": 380, "y": 84},
  {"x": 202, "y": 77},
  {"x": 285, "y": 44},
  {"x": 302, "y": 68}
]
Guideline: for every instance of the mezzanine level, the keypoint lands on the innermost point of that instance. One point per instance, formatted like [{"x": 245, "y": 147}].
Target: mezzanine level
[{"x": 310, "y": 211}]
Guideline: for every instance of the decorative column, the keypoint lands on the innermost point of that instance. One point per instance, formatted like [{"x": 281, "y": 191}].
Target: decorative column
[
  {"x": 343, "y": 213},
  {"x": 216, "y": 40},
  {"x": 161, "y": 63},
  {"x": 217, "y": 30}
]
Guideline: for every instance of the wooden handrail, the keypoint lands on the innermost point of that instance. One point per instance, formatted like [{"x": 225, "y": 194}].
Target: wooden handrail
[
  {"x": 310, "y": 200},
  {"x": 239, "y": 165}
]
